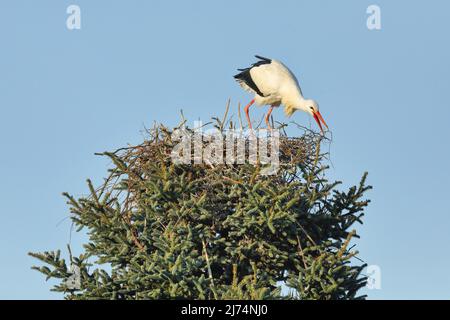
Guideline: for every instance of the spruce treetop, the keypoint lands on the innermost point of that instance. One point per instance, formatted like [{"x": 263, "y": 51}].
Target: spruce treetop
[{"x": 213, "y": 231}]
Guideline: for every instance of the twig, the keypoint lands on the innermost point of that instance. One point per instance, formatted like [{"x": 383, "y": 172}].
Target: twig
[
  {"x": 301, "y": 252},
  {"x": 239, "y": 115},
  {"x": 209, "y": 271},
  {"x": 224, "y": 119}
]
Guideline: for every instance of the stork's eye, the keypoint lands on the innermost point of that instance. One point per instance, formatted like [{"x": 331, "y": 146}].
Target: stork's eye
[{"x": 312, "y": 108}]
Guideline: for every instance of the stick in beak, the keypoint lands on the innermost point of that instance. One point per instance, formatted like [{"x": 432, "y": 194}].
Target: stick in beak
[{"x": 318, "y": 117}]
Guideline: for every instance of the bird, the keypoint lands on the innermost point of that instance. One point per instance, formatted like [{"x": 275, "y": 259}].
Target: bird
[{"x": 272, "y": 83}]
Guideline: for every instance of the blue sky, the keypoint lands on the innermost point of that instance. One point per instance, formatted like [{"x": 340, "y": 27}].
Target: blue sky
[{"x": 65, "y": 95}]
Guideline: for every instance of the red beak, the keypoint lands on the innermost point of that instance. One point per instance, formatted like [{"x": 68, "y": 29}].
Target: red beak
[{"x": 318, "y": 117}]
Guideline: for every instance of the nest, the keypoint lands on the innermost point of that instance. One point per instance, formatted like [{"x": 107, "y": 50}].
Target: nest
[
  {"x": 159, "y": 145},
  {"x": 153, "y": 158}
]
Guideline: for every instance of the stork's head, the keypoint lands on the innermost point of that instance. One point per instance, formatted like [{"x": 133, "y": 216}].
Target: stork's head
[
  {"x": 312, "y": 107},
  {"x": 309, "y": 106}
]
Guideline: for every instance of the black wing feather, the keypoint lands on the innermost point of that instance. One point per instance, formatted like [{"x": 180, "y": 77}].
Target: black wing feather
[
  {"x": 244, "y": 75},
  {"x": 264, "y": 60}
]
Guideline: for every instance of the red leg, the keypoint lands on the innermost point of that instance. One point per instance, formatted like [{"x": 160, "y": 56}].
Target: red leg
[
  {"x": 268, "y": 116},
  {"x": 246, "y": 112}
]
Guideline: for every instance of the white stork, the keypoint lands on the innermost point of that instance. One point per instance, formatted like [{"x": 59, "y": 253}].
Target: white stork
[{"x": 274, "y": 84}]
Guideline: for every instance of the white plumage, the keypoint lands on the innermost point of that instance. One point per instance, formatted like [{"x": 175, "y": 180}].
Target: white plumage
[{"x": 272, "y": 83}]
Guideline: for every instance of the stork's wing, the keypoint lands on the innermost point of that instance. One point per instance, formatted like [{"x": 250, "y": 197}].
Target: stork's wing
[
  {"x": 268, "y": 77},
  {"x": 244, "y": 78},
  {"x": 275, "y": 79}
]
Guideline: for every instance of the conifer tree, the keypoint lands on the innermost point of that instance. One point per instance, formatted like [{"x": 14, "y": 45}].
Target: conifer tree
[{"x": 161, "y": 230}]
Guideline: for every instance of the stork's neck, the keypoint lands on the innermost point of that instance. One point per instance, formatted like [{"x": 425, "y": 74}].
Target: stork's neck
[
  {"x": 299, "y": 103},
  {"x": 296, "y": 101},
  {"x": 303, "y": 104}
]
